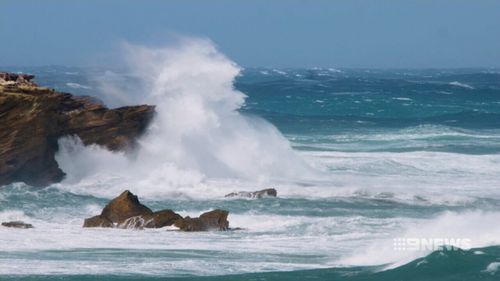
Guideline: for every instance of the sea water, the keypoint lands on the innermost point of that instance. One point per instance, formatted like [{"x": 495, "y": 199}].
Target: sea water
[{"x": 359, "y": 157}]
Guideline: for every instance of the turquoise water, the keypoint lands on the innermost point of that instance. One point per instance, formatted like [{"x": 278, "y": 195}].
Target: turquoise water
[{"x": 389, "y": 154}]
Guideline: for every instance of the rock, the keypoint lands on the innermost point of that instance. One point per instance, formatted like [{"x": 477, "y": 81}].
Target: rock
[
  {"x": 155, "y": 220},
  {"x": 17, "y": 224},
  {"x": 270, "y": 192},
  {"x": 9, "y": 79},
  {"x": 213, "y": 220},
  {"x": 136, "y": 222},
  {"x": 125, "y": 206},
  {"x": 161, "y": 219},
  {"x": 98, "y": 221},
  {"x": 125, "y": 211},
  {"x": 33, "y": 118}
]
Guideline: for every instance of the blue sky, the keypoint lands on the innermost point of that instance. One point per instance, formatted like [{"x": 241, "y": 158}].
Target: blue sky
[{"x": 280, "y": 33}]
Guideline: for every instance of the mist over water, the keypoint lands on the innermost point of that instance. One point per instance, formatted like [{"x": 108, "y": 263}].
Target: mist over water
[{"x": 198, "y": 133}]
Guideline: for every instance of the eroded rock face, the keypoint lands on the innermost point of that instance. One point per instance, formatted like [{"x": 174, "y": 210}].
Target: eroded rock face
[
  {"x": 17, "y": 224},
  {"x": 213, "y": 220},
  {"x": 270, "y": 192},
  {"x": 33, "y": 118}
]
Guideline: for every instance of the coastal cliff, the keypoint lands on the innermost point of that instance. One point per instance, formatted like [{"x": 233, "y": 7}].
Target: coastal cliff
[{"x": 33, "y": 118}]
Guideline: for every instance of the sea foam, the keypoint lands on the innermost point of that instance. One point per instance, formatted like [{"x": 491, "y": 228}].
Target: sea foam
[{"x": 198, "y": 132}]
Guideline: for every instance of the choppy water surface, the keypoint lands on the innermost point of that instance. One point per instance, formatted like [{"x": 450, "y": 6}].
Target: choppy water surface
[{"x": 367, "y": 156}]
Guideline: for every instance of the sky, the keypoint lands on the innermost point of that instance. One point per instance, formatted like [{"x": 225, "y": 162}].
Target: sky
[{"x": 258, "y": 33}]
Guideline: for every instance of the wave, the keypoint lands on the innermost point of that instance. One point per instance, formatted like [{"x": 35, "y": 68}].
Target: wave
[
  {"x": 477, "y": 227},
  {"x": 437, "y": 138},
  {"x": 462, "y": 85},
  {"x": 309, "y": 122},
  {"x": 279, "y": 234},
  {"x": 198, "y": 133},
  {"x": 441, "y": 265},
  {"x": 77, "y": 86}
]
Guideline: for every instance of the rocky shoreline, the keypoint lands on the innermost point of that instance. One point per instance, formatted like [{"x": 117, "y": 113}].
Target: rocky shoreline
[{"x": 33, "y": 118}]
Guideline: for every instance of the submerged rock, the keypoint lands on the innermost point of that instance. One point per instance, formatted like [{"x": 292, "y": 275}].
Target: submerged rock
[
  {"x": 32, "y": 118},
  {"x": 213, "y": 220},
  {"x": 17, "y": 224},
  {"x": 270, "y": 192}
]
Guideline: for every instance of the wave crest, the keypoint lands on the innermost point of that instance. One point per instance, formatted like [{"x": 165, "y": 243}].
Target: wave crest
[{"x": 198, "y": 133}]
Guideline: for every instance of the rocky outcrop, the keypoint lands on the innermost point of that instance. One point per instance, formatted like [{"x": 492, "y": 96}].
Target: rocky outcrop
[
  {"x": 33, "y": 118},
  {"x": 98, "y": 221},
  {"x": 213, "y": 220},
  {"x": 17, "y": 224},
  {"x": 270, "y": 192},
  {"x": 10, "y": 79},
  {"x": 125, "y": 206},
  {"x": 125, "y": 211}
]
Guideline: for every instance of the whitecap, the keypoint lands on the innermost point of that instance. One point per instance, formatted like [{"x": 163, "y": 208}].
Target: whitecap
[
  {"x": 492, "y": 268},
  {"x": 77, "y": 86},
  {"x": 335, "y": 70},
  {"x": 478, "y": 228},
  {"x": 462, "y": 85},
  {"x": 198, "y": 133},
  {"x": 402, "y": 99},
  {"x": 281, "y": 72}
]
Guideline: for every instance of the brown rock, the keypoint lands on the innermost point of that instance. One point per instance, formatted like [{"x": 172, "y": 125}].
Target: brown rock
[
  {"x": 15, "y": 79},
  {"x": 17, "y": 224},
  {"x": 98, "y": 221},
  {"x": 127, "y": 212},
  {"x": 125, "y": 206},
  {"x": 32, "y": 118},
  {"x": 161, "y": 218},
  {"x": 190, "y": 224},
  {"x": 213, "y": 220},
  {"x": 136, "y": 222},
  {"x": 270, "y": 192},
  {"x": 155, "y": 220}
]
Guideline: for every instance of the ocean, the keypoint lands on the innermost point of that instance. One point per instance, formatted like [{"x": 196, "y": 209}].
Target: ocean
[{"x": 359, "y": 157}]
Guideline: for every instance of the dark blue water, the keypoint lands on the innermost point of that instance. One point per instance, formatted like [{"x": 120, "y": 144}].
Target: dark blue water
[{"x": 452, "y": 111}]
